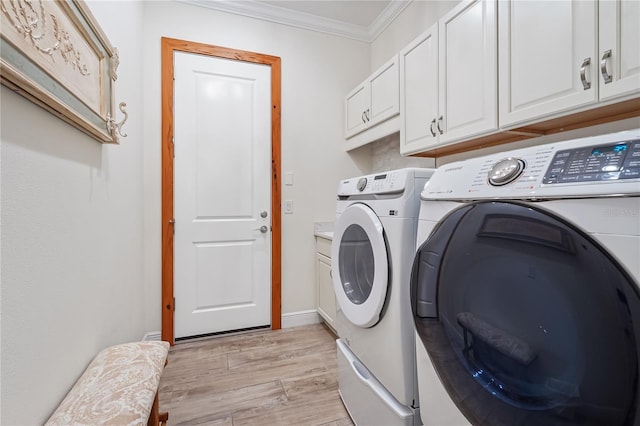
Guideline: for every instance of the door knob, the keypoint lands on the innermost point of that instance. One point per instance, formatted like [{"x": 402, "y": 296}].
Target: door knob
[
  {"x": 262, "y": 229},
  {"x": 263, "y": 214}
]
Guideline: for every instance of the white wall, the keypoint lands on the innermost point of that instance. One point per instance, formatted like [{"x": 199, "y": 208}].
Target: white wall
[
  {"x": 412, "y": 22},
  {"x": 317, "y": 71},
  {"x": 385, "y": 155},
  {"x": 71, "y": 239}
]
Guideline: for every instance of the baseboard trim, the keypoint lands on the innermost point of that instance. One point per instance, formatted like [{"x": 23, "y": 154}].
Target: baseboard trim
[
  {"x": 296, "y": 319},
  {"x": 152, "y": 336},
  {"x": 293, "y": 319}
]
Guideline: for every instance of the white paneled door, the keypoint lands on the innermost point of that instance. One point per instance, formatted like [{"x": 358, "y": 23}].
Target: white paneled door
[{"x": 222, "y": 245}]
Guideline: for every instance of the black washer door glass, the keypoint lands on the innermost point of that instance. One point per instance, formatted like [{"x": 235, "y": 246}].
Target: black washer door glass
[
  {"x": 356, "y": 264},
  {"x": 541, "y": 319}
]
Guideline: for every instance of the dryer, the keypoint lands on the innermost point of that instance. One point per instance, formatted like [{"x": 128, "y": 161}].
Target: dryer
[
  {"x": 524, "y": 287},
  {"x": 372, "y": 252}
]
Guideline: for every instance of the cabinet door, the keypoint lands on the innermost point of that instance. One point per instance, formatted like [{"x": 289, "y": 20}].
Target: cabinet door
[
  {"x": 619, "y": 47},
  {"x": 467, "y": 71},
  {"x": 326, "y": 295},
  {"x": 355, "y": 108},
  {"x": 547, "y": 62},
  {"x": 384, "y": 93},
  {"x": 419, "y": 92}
]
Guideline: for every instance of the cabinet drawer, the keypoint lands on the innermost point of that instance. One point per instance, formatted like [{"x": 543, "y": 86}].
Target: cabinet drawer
[{"x": 323, "y": 246}]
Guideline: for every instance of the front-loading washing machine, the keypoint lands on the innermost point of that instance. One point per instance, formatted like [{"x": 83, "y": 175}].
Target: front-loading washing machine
[
  {"x": 524, "y": 288},
  {"x": 372, "y": 253}
]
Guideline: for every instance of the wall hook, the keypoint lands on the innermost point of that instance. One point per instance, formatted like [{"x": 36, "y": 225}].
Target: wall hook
[{"x": 116, "y": 128}]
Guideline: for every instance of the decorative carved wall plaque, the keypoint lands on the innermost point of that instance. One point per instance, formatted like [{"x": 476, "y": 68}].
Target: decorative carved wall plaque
[{"x": 55, "y": 54}]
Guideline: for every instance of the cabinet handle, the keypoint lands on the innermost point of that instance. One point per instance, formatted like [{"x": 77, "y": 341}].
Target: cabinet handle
[
  {"x": 439, "y": 128},
  {"x": 433, "y": 133},
  {"x": 603, "y": 67},
  {"x": 583, "y": 70},
  {"x": 364, "y": 117},
  {"x": 368, "y": 114}
]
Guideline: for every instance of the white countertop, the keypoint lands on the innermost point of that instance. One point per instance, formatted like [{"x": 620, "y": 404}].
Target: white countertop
[
  {"x": 325, "y": 234},
  {"x": 323, "y": 230}
]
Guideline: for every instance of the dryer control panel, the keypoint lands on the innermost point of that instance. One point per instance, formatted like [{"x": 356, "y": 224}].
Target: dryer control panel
[
  {"x": 596, "y": 166},
  {"x": 620, "y": 160}
]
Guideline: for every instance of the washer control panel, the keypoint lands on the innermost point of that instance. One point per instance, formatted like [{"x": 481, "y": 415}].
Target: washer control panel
[
  {"x": 381, "y": 183},
  {"x": 595, "y": 166},
  {"x": 362, "y": 184}
]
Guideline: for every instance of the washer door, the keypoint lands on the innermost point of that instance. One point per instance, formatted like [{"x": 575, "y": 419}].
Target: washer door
[
  {"x": 360, "y": 266},
  {"x": 527, "y": 320}
]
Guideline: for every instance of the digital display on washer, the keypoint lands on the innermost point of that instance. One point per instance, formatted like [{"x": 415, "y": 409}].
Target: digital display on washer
[
  {"x": 595, "y": 163},
  {"x": 378, "y": 177}
]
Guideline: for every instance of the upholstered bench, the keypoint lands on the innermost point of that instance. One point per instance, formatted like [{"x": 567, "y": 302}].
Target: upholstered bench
[{"x": 119, "y": 387}]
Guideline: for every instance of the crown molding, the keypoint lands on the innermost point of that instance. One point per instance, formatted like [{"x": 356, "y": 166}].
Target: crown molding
[
  {"x": 268, "y": 12},
  {"x": 386, "y": 17}
]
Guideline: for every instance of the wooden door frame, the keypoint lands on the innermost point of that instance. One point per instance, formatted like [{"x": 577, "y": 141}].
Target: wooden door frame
[{"x": 169, "y": 46}]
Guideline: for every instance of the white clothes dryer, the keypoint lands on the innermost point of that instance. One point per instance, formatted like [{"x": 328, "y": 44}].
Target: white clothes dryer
[
  {"x": 372, "y": 252},
  {"x": 525, "y": 287}
]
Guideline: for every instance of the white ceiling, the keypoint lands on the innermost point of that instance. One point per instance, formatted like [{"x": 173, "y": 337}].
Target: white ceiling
[{"x": 361, "y": 20}]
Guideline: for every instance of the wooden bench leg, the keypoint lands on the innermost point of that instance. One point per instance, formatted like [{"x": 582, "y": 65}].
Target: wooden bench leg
[{"x": 156, "y": 417}]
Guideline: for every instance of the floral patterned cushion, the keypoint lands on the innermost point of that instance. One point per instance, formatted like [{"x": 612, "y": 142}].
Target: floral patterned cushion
[{"x": 117, "y": 388}]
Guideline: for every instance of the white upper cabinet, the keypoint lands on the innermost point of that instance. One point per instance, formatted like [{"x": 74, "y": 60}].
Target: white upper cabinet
[
  {"x": 373, "y": 101},
  {"x": 468, "y": 51},
  {"x": 619, "y": 48},
  {"x": 560, "y": 57},
  {"x": 448, "y": 79},
  {"x": 419, "y": 92},
  {"x": 356, "y": 105},
  {"x": 385, "y": 92},
  {"x": 547, "y": 59}
]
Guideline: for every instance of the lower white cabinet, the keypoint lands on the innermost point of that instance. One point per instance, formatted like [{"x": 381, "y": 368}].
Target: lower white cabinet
[{"x": 326, "y": 296}]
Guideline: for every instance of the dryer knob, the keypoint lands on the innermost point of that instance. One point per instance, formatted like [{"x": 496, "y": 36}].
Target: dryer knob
[
  {"x": 362, "y": 184},
  {"x": 505, "y": 171}
]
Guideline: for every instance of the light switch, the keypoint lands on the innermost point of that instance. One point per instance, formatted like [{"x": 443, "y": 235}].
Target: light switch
[
  {"x": 288, "y": 178},
  {"x": 288, "y": 206}
]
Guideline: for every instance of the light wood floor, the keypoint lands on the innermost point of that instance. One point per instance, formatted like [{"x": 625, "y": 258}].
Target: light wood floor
[{"x": 284, "y": 377}]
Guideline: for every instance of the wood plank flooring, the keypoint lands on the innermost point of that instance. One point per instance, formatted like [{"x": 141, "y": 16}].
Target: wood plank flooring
[{"x": 283, "y": 377}]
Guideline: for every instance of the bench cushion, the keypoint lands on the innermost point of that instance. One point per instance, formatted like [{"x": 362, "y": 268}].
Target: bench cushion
[{"x": 117, "y": 388}]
